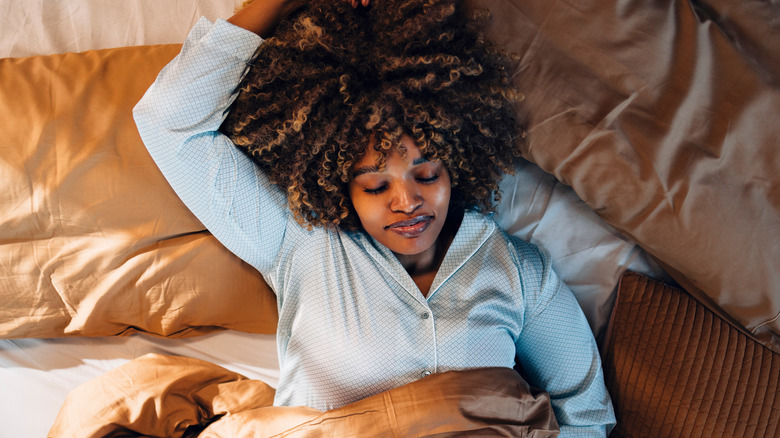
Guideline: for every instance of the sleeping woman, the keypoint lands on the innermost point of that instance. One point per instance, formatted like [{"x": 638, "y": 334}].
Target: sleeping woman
[{"x": 353, "y": 158}]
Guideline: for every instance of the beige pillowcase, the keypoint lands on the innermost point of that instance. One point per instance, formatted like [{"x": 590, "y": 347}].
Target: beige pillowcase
[
  {"x": 93, "y": 241},
  {"x": 663, "y": 118}
]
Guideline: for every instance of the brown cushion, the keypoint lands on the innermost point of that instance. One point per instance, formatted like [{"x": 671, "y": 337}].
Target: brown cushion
[
  {"x": 92, "y": 239},
  {"x": 674, "y": 369}
]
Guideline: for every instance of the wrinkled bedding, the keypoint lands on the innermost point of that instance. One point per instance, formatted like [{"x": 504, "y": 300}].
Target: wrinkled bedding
[
  {"x": 158, "y": 395},
  {"x": 662, "y": 117},
  {"x": 94, "y": 242},
  {"x": 45, "y": 27},
  {"x": 653, "y": 141}
]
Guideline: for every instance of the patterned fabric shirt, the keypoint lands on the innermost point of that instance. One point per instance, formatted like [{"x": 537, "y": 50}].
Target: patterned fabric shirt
[{"x": 352, "y": 322}]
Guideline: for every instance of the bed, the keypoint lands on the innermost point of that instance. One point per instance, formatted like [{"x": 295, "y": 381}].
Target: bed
[{"x": 650, "y": 177}]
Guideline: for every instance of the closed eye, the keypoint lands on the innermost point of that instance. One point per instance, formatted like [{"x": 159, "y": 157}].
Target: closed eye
[
  {"x": 375, "y": 191},
  {"x": 428, "y": 180}
]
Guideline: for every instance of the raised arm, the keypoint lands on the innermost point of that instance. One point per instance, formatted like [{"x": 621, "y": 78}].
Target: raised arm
[
  {"x": 179, "y": 117},
  {"x": 558, "y": 353}
]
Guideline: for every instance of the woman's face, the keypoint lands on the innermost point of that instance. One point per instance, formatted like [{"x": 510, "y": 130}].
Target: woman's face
[{"x": 404, "y": 204}]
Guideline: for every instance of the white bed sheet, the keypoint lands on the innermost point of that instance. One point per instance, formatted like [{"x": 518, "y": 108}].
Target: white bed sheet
[
  {"x": 44, "y": 27},
  {"x": 37, "y": 374}
]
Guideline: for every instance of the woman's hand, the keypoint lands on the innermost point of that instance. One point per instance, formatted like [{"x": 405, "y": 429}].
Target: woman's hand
[{"x": 261, "y": 16}]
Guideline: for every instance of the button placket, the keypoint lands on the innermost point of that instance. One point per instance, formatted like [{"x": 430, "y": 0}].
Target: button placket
[{"x": 426, "y": 319}]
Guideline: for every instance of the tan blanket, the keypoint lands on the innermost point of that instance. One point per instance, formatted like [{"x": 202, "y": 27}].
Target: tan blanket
[{"x": 172, "y": 396}]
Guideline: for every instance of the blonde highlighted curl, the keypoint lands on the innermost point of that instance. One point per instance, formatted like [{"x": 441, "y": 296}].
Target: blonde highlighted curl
[{"x": 332, "y": 76}]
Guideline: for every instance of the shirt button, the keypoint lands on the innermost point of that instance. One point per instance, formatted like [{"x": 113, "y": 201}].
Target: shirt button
[
  {"x": 425, "y": 315},
  {"x": 425, "y": 373}
]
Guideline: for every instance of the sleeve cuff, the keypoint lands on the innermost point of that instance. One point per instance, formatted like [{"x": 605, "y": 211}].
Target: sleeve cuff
[{"x": 226, "y": 37}]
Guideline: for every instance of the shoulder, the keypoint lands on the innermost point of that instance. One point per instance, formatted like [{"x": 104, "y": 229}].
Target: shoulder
[
  {"x": 302, "y": 242},
  {"x": 530, "y": 257},
  {"x": 532, "y": 263},
  {"x": 525, "y": 255},
  {"x": 540, "y": 284}
]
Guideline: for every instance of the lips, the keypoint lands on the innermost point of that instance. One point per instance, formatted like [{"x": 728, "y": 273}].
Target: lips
[{"x": 411, "y": 227}]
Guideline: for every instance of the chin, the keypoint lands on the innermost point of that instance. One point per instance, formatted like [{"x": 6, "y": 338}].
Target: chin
[
  {"x": 406, "y": 250},
  {"x": 409, "y": 247}
]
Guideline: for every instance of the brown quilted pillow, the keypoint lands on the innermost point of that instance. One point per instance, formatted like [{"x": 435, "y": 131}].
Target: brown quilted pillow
[{"x": 675, "y": 369}]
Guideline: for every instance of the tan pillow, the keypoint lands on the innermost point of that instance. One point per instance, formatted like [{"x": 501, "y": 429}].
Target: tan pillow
[
  {"x": 92, "y": 239},
  {"x": 663, "y": 118},
  {"x": 674, "y": 369}
]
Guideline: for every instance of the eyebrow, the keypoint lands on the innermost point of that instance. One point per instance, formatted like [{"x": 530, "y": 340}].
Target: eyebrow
[{"x": 374, "y": 169}]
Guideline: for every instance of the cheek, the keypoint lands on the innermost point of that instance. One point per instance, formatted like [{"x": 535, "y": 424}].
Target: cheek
[
  {"x": 367, "y": 212},
  {"x": 442, "y": 193},
  {"x": 366, "y": 207}
]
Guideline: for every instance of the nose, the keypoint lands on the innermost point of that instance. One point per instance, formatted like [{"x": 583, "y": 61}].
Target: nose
[{"x": 405, "y": 198}]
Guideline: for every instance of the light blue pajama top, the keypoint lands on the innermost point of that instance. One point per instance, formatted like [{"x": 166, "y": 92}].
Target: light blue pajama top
[{"x": 352, "y": 323}]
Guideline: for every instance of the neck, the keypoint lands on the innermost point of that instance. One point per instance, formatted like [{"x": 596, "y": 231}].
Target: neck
[{"x": 423, "y": 263}]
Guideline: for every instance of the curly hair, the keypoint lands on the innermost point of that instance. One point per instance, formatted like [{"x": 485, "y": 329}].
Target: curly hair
[{"x": 333, "y": 76}]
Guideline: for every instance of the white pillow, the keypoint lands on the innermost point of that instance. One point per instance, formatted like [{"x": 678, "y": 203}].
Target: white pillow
[
  {"x": 45, "y": 27},
  {"x": 587, "y": 253}
]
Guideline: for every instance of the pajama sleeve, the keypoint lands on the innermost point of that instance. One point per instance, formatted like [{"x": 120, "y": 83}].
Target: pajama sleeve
[
  {"x": 178, "y": 120},
  {"x": 558, "y": 353}
]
